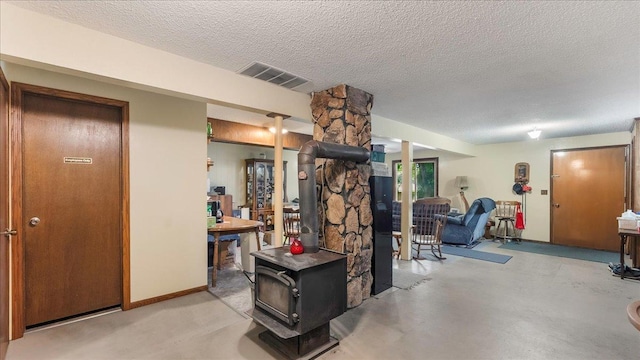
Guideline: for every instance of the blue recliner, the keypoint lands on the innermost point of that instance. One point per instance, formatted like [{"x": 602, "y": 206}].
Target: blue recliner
[{"x": 468, "y": 228}]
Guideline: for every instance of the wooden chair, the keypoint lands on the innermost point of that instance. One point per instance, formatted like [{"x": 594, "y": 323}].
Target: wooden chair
[
  {"x": 429, "y": 220},
  {"x": 506, "y": 216},
  {"x": 396, "y": 208},
  {"x": 291, "y": 221}
]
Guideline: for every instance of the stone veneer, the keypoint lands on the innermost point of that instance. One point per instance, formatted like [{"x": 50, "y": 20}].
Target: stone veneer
[{"x": 342, "y": 115}]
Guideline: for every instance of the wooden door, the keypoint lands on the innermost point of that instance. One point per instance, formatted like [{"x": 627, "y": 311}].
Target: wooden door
[
  {"x": 71, "y": 205},
  {"x": 4, "y": 215},
  {"x": 587, "y": 194}
]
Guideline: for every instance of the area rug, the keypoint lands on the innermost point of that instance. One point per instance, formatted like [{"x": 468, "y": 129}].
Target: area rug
[
  {"x": 405, "y": 279},
  {"x": 475, "y": 254},
  {"x": 470, "y": 246},
  {"x": 563, "y": 251},
  {"x": 233, "y": 288}
]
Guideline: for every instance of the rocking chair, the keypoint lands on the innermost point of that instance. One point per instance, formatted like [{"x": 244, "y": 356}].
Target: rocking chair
[{"x": 429, "y": 220}]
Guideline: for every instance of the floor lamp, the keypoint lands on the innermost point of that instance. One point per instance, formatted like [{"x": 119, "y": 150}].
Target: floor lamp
[{"x": 463, "y": 184}]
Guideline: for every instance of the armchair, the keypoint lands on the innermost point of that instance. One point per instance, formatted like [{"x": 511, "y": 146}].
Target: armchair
[{"x": 468, "y": 228}]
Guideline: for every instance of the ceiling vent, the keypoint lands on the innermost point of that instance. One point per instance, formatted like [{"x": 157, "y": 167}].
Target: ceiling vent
[{"x": 273, "y": 75}]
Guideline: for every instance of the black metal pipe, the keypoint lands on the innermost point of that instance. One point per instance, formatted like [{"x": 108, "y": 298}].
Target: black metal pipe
[{"x": 307, "y": 156}]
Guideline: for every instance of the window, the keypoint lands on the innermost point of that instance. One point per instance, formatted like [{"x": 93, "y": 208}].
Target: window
[{"x": 424, "y": 176}]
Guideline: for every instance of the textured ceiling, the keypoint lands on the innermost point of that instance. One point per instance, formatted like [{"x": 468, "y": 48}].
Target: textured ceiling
[{"x": 482, "y": 72}]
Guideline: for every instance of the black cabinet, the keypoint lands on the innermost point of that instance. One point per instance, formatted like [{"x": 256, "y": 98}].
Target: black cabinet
[{"x": 381, "y": 208}]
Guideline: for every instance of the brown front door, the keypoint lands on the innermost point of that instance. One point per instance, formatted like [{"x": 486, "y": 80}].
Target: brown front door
[
  {"x": 587, "y": 194},
  {"x": 4, "y": 215},
  {"x": 71, "y": 205}
]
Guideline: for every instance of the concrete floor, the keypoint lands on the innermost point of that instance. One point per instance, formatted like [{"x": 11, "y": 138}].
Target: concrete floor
[{"x": 532, "y": 307}]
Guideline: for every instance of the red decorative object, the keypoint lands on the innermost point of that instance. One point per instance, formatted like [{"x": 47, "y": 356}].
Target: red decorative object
[
  {"x": 519, "y": 218},
  {"x": 296, "y": 247}
]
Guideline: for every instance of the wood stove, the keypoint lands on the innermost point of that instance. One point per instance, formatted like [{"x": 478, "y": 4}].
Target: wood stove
[{"x": 296, "y": 296}]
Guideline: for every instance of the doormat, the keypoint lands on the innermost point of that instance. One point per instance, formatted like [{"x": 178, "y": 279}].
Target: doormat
[
  {"x": 404, "y": 279},
  {"x": 563, "y": 251},
  {"x": 475, "y": 254}
]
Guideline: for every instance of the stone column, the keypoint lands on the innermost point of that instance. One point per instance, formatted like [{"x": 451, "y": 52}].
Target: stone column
[{"x": 342, "y": 115}]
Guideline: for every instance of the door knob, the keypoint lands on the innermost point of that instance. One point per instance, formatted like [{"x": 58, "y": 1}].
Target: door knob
[
  {"x": 34, "y": 221},
  {"x": 556, "y": 205}
]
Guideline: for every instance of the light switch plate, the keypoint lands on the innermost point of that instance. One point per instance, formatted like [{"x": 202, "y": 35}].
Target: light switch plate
[{"x": 543, "y": 192}]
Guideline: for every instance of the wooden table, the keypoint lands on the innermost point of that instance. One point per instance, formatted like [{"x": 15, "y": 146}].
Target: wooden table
[
  {"x": 231, "y": 225},
  {"x": 624, "y": 234}
]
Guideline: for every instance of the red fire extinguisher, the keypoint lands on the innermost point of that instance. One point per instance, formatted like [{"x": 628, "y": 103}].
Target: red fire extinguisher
[{"x": 519, "y": 218}]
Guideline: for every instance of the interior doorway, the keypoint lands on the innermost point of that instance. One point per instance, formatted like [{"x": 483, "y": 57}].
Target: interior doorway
[
  {"x": 588, "y": 191},
  {"x": 70, "y": 205}
]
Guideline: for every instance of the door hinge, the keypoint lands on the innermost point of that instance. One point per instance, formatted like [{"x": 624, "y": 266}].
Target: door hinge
[{"x": 8, "y": 232}]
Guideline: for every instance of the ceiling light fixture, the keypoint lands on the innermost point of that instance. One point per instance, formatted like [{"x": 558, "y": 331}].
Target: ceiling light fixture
[
  {"x": 535, "y": 133},
  {"x": 273, "y": 130}
]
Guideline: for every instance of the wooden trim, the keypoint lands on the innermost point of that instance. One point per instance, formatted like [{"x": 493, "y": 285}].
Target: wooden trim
[
  {"x": 17, "y": 246},
  {"x": 434, "y": 160},
  {"x": 3, "y": 80},
  {"x": 237, "y": 133},
  {"x": 551, "y": 195},
  {"x": 589, "y": 148},
  {"x": 17, "y": 253},
  {"x": 4, "y": 342},
  {"x": 126, "y": 210},
  {"x": 174, "y": 295},
  {"x": 69, "y": 95}
]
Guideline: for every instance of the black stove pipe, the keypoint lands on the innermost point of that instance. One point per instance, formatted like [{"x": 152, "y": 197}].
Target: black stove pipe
[{"x": 307, "y": 183}]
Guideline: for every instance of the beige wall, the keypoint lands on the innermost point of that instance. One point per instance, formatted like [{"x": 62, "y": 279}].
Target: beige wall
[
  {"x": 491, "y": 173},
  {"x": 229, "y": 167},
  {"x": 39, "y": 40},
  {"x": 389, "y": 128},
  {"x": 167, "y": 179},
  {"x": 168, "y": 146}
]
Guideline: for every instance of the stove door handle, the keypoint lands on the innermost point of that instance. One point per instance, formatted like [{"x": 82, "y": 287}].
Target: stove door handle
[{"x": 279, "y": 275}]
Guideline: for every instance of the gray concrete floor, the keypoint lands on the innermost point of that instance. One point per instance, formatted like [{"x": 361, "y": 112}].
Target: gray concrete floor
[{"x": 532, "y": 307}]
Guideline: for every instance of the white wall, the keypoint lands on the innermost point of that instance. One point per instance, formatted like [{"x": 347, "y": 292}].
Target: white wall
[
  {"x": 167, "y": 175},
  {"x": 229, "y": 168},
  {"x": 491, "y": 173}
]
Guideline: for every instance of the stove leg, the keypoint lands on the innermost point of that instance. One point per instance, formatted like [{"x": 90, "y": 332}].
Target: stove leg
[{"x": 306, "y": 346}]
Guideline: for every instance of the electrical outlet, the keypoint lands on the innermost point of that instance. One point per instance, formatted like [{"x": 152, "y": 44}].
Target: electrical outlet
[{"x": 543, "y": 192}]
